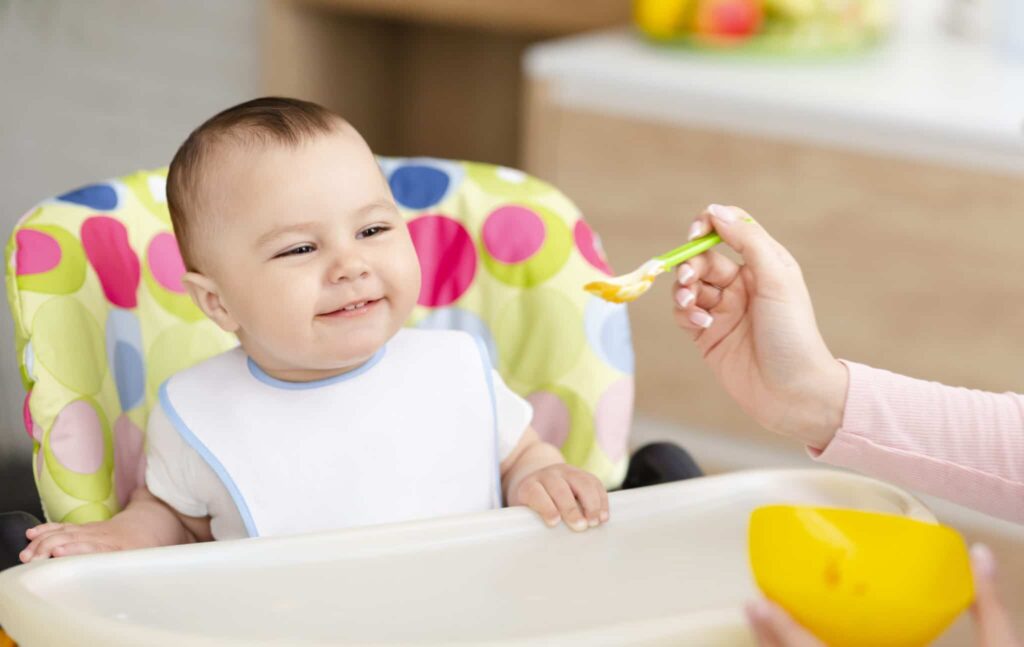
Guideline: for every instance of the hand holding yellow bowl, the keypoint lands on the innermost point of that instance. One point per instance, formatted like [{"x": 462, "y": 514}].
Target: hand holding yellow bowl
[{"x": 859, "y": 578}]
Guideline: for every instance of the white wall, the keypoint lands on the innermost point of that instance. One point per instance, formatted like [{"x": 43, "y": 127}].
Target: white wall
[{"x": 91, "y": 89}]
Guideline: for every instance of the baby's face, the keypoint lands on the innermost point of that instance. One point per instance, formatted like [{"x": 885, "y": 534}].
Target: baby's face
[{"x": 312, "y": 261}]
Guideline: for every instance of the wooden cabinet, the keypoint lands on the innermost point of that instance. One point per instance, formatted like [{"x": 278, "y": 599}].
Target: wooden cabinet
[{"x": 421, "y": 77}]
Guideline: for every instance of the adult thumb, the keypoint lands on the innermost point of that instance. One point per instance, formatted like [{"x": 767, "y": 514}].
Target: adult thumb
[
  {"x": 742, "y": 233},
  {"x": 992, "y": 624}
]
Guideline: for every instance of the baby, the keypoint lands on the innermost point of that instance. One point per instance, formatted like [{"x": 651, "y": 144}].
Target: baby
[{"x": 329, "y": 414}]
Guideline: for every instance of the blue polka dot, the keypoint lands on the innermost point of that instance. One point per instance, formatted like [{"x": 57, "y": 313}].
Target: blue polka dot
[
  {"x": 30, "y": 361},
  {"x": 101, "y": 197},
  {"x": 460, "y": 319},
  {"x": 129, "y": 375},
  {"x": 607, "y": 326},
  {"x": 124, "y": 355},
  {"x": 417, "y": 186}
]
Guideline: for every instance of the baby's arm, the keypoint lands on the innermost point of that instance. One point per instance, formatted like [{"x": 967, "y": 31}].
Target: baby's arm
[
  {"x": 144, "y": 523},
  {"x": 534, "y": 474}
]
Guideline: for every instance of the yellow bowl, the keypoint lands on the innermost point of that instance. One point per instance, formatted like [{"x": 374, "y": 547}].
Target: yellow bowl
[{"x": 859, "y": 578}]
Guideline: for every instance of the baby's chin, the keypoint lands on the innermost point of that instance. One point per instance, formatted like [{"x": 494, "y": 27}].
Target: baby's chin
[{"x": 351, "y": 354}]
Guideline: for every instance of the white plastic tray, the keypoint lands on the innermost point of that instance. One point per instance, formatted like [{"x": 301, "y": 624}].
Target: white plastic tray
[{"x": 670, "y": 568}]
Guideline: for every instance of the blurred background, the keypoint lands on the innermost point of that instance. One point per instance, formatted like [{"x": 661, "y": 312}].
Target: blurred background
[{"x": 881, "y": 141}]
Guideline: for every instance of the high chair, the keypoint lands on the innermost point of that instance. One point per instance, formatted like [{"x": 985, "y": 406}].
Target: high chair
[{"x": 102, "y": 319}]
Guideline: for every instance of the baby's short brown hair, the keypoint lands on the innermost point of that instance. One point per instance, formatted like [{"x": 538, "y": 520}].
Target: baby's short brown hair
[{"x": 267, "y": 120}]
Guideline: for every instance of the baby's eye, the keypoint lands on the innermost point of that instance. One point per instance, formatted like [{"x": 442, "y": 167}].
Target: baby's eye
[
  {"x": 372, "y": 231},
  {"x": 297, "y": 251}
]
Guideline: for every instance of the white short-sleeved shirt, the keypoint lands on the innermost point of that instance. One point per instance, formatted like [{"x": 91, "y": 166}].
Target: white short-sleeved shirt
[{"x": 179, "y": 475}]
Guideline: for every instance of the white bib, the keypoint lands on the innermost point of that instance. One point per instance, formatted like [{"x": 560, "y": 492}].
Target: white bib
[{"x": 410, "y": 434}]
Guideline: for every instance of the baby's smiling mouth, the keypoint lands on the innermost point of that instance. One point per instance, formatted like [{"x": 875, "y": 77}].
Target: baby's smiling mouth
[{"x": 352, "y": 309}]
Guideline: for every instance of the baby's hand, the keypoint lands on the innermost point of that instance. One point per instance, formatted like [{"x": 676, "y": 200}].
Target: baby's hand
[
  {"x": 64, "y": 539},
  {"x": 563, "y": 492}
]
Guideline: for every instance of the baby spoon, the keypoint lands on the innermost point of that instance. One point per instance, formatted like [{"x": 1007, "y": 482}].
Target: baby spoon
[{"x": 628, "y": 287}]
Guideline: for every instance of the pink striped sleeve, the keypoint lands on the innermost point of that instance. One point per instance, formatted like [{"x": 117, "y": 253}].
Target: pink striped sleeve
[{"x": 963, "y": 445}]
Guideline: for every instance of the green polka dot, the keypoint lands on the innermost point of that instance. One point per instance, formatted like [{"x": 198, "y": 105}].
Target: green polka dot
[
  {"x": 89, "y": 487},
  {"x": 69, "y": 343},
  {"x": 142, "y": 185},
  {"x": 539, "y": 336},
  {"x": 579, "y": 444},
  {"x": 541, "y": 266},
  {"x": 69, "y": 274},
  {"x": 88, "y": 513},
  {"x": 179, "y": 305},
  {"x": 506, "y": 182},
  {"x": 181, "y": 346}
]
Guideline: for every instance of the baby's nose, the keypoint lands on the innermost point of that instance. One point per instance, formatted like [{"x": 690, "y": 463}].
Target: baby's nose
[{"x": 349, "y": 268}]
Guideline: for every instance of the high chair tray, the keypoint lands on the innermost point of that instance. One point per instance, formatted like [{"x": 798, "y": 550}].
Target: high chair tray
[{"x": 669, "y": 568}]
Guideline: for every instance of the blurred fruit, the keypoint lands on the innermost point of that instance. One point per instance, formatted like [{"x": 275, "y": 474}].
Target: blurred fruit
[
  {"x": 661, "y": 18},
  {"x": 728, "y": 19}
]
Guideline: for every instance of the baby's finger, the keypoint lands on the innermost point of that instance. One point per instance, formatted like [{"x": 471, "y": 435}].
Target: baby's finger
[
  {"x": 81, "y": 548},
  {"x": 30, "y": 551},
  {"x": 36, "y": 531},
  {"x": 565, "y": 501},
  {"x": 47, "y": 544},
  {"x": 587, "y": 490},
  {"x": 536, "y": 497}
]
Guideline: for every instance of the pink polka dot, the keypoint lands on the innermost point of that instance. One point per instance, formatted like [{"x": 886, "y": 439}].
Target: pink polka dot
[
  {"x": 27, "y": 416},
  {"x": 129, "y": 459},
  {"x": 612, "y": 418},
  {"x": 550, "y": 417},
  {"x": 447, "y": 259},
  {"x": 37, "y": 252},
  {"x": 77, "y": 438},
  {"x": 106, "y": 245},
  {"x": 165, "y": 262},
  {"x": 513, "y": 234},
  {"x": 589, "y": 245}
]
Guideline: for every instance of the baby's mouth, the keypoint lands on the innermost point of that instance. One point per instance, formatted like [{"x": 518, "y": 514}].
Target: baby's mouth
[{"x": 352, "y": 309}]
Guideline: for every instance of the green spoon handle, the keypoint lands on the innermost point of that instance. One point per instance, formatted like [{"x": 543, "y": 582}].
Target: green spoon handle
[{"x": 689, "y": 250}]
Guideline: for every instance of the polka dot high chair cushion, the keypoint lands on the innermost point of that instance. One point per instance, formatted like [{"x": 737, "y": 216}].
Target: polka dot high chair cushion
[{"x": 102, "y": 319}]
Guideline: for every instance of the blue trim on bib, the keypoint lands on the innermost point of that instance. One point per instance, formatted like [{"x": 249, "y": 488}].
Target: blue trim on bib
[
  {"x": 485, "y": 357},
  {"x": 262, "y": 376},
  {"x": 211, "y": 460}
]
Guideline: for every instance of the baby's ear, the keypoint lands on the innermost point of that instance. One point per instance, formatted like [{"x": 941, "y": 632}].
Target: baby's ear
[{"x": 206, "y": 295}]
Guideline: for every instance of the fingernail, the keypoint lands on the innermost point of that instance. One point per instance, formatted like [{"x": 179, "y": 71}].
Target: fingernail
[
  {"x": 701, "y": 319},
  {"x": 579, "y": 524},
  {"x": 695, "y": 229},
  {"x": 552, "y": 522},
  {"x": 983, "y": 559},
  {"x": 592, "y": 522},
  {"x": 724, "y": 214},
  {"x": 604, "y": 517},
  {"x": 684, "y": 297},
  {"x": 23, "y": 555},
  {"x": 685, "y": 273}
]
